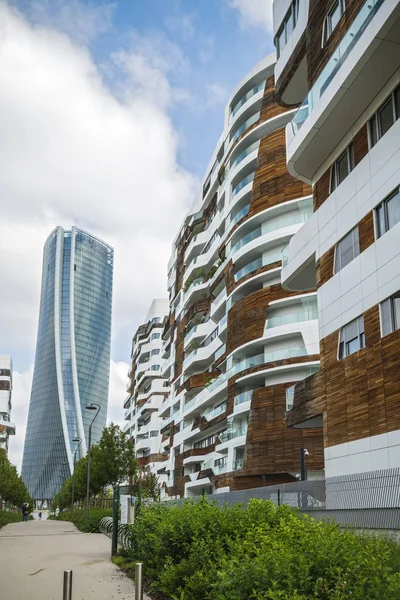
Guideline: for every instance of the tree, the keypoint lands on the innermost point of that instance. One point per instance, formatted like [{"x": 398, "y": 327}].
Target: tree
[
  {"x": 150, "y": 486},
  {"x": 114, "y": 461},
  {"x": 12, "y": 487}
]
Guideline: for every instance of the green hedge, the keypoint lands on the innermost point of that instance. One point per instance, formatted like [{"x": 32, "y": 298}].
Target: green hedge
[
  {"x": 77, "y": 517},
  {"x": 198, "y": 551},
  {"x": 9, "y": 517}
]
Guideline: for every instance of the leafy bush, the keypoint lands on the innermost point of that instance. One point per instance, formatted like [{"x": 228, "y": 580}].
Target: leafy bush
[
  {"x": 77, "y": 517},
  {"x": 9, "y": 517},
  {"x": 198, "y": 551}
]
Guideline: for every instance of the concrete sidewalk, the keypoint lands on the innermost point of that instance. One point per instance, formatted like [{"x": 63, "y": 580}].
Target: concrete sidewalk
[{"x": 35, "y": 554}]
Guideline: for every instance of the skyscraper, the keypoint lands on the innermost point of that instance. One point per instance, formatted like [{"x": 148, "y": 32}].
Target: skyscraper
[{"x": 72, "y": 357}]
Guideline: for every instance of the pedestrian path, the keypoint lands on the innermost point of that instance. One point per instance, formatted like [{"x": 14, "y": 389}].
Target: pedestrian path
[{"x": 34, "y": 556}]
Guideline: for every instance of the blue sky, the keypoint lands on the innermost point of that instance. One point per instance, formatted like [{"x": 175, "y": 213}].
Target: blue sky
[
  {"x": 209, "y": 43},
  {"x": 109, "y": 114}
]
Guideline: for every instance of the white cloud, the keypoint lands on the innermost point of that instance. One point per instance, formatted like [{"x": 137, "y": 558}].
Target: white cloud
[
  {"x": 118, "y": 381},
  {"x": 72, "y": 153},
  {"x": 254, "y": 13}
]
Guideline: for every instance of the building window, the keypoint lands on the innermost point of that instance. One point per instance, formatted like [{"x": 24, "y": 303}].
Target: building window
[
  {"x": 347, "y": 249},
  {"x": 155, "y": 352},
  {"x": 342, "y": 167},
  {"x": 332, "y": 19},
  {"x": 154, "y": 433},
  {"x": 390, "y": 314},
  {"x": 155, "y": 368},
  {"x": 352, "y": 338},
  {"x": 286, "y": 29},
  {"x": 388, "y": 213},
  {"x": 386, "y": 115},
  {"x": 155, "y": 336}
]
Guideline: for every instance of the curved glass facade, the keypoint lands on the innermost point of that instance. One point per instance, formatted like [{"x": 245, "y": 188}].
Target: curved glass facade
[{"x": 72, "y": 357}]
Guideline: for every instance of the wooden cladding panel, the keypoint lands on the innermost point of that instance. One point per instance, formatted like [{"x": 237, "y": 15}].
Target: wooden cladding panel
[
  {"x": 366, "y": 231},
  {"x": 272, "y": 183},
  {"x": 325, "y": 267},
  {"x": 360, "y": 144},
  {"x": 359, "y": 395},
  {"x": 246, "y": 319},
  {"x": 272, "y": 447},
  {"x": 270, "y": 108},
  {"x": 200, "y": 379},
  {"x": 321, "y": 189},
  {"x": 297, "y": 56},
  {"x": 318, "y": 56}
]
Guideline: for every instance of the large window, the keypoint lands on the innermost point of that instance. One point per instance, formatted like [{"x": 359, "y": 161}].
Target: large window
[
  {"x": 388, "y": 213},
  {"x": 347, "y": 249},
  {"x": 155, "y": 336},
  {"x": 342, "y": 167},
  {"x": 286, "y": 29},
  {"x": 390, "y": 314},
  {"x": 386, "y": 115},
  {"x": 332, "y": 19},
  {"x": 352, "y": 338}
]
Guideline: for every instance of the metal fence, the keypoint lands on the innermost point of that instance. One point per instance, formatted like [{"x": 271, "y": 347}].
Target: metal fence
[{"x": 370, "y": 499}]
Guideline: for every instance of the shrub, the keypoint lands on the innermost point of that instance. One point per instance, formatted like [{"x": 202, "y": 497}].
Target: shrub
[
  {"x": 9, "y": 517},
  {"x": 77, "y": 517},
  {"x": 198, "y": 551}
]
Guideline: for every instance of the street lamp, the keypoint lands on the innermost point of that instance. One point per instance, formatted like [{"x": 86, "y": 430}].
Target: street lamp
[
  {"x": 96, "y": 407},
  {"x": 79, "y": 440}
]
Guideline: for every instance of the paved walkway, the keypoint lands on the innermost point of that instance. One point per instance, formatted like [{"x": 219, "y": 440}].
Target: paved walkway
[{"x": 35, "y": 554}]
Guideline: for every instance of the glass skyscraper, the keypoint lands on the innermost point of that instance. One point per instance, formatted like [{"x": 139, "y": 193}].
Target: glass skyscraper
[{"x": 72, "y": 361}]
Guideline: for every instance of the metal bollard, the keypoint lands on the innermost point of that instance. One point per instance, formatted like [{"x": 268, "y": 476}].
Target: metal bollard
[
  {"x": 67, "y": 589},
  {"x": 139, "y": 581}
]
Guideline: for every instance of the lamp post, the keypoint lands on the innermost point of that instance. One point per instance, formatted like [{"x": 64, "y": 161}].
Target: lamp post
[
  {"x": 77, "y": 439},
  {"x": 96, "y": 407}
]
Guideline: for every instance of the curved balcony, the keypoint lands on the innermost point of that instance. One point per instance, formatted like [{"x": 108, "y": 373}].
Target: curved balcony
[
  {"x": 363, "y": 62},
  {"x": 198, "y": 333},
  {"x": 248, "y": 123},
  {"x": 252, "y": 149},
  {"x": 242, "y": 184},
  {"x": 201, "y": 357},
  {"x": 259, "y": 87},
  {"x": 239, "y": 215}
]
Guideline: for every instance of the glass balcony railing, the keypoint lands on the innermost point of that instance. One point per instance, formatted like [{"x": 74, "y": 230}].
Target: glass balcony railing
[
  {"x": 286, "y": 221},
  {"x": 245, "y": 153},
  {"x": 253, "y": 266},
  {"x": 257, "y": 88},
  {"x": 297, "y": 317},
  {"x": 340, "y": 55},
  {"x": 239, "y": 215},
  {"x": 223, "y": 321},
  {"x": 257, "y": 264},
  {"x": 249, "y": 237},
  {"x": 220, "y": 351},
  {"x": 243, "y": 397},
  {"x": 211, "y": 414},
  {"x": 233, "y": 433},
  {"x": 242, "y": 184},
  {"x": 245, "y": 126}
]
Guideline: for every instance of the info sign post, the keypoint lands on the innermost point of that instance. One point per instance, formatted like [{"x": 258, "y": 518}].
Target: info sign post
[{"x": 127, "y": 509}]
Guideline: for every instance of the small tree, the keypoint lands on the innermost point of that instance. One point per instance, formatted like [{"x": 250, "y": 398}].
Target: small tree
[
  {"x": 12, "y": 487},
  {"x": 114, "y": 459},
  {"x": 150, "y": 486}
]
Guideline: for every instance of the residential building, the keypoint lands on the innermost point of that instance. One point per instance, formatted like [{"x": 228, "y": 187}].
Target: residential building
[
  {"x": 7, "y": 428},
  {"x": 236, "y": 341},
  {"x": 147, "y": 390},
  {"x": 72, "y": 360},
  {"x": 340, "y": 64}
]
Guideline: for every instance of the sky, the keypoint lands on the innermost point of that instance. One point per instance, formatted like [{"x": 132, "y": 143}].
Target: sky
[{"x": 109, "y": 115}]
